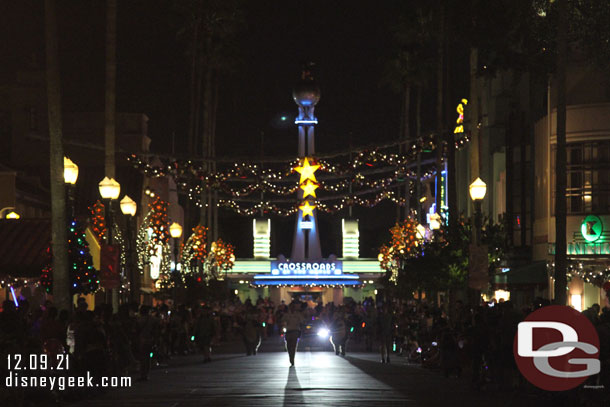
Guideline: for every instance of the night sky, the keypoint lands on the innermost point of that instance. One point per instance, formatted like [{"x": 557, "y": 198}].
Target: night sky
[{"x": 350, "y": 46}]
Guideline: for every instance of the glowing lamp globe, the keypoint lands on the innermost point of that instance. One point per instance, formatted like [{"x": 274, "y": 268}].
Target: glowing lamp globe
[
  {"x": 70, "y": 171},
  {"x": 175, "y": 230},
  {"x": 477, "y": 190},
  {"x": 109, "y": 188},
  {"x": 435, "y": 221},
  {"x": 380, "y": 257},
  {"x": 12, "y": 215},
  {"x": 128, "y": 206},
  {"x": 421, "y": 232}
]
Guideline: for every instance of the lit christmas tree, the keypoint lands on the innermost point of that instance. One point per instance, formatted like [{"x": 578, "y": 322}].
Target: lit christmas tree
[{"x": 83, "y": 277}]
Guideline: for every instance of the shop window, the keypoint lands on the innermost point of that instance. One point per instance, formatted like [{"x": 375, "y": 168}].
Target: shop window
[{"x": 588, "y": 177}]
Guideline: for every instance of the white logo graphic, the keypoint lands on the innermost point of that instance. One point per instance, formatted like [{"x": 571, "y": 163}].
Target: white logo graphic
[{"x": 525, "y": 336}]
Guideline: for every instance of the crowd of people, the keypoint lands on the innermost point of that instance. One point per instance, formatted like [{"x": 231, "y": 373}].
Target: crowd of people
[{"x": 453, "y": 338}]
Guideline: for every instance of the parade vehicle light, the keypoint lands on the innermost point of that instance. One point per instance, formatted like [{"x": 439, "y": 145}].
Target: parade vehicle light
[
  {"x": 323, "y": 333},
  {"x": 302, "y": 121}
]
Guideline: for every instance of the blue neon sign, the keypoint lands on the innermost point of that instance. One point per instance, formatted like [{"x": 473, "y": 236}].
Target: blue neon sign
[{"x": 307, "y": 268}]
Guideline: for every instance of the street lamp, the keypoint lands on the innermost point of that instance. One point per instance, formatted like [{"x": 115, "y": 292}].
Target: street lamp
[
  {"x": 70, "y": 177},
  {"x": 129, "y": 208},
  {"x": 109, "y": 188},
  {"x": 478, "y": 189},
  {"x": 109, "y": 191},
  {"x": 70, "y": 171},
  {"x": 175, "y": 231},
  {"x": 12, "y": 215}
]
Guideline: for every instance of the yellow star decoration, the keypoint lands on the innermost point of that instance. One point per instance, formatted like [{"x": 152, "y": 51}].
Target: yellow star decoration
[
  {"x": 309, "y": 188},
  {"x": 307, "y": 209},
  {"x": 307, "y": 171}
]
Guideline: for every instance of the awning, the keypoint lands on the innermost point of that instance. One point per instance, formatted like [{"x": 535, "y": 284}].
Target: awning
[
  {"x": 23, "y": 246},
  {"x": 533, "y": 274}
]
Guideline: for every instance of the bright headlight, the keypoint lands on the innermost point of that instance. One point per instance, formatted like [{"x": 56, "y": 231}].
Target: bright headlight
[{"x": 323, "y": 333}]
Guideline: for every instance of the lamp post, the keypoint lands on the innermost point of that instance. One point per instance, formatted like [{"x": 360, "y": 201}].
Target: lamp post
[
  {"x": 175, "y": 231},
  {"x": 109, "y": 191},
  {"x": 478, "y": 189},
  {"x": 70, "y": 177},
  {"x": 129, "y": 208}
]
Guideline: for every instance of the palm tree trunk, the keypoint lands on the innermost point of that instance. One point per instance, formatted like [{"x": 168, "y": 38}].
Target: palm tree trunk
[
  {"x": 59, "y": 236},
  {"x": 193, "y": 90},
  {"x": 213, "y": 154},
  {"x": 561, "y": 161},
  {"x": 439, "y": 110},
  {"x": 206, "y": 214},
  {"x": 407, "y": 136},
  {"x": 110, "y": 111},
  {"x": 418, "y": 190}
]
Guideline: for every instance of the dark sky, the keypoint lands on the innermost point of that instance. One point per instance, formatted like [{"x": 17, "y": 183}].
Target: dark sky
[{"x": 349, "y": 44}]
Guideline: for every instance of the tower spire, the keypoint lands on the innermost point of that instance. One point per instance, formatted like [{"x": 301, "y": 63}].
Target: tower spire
[{"x": 306, "y": 243}]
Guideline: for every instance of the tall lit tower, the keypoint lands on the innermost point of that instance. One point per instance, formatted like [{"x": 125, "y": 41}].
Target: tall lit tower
[{"x": 306, "y": 244}]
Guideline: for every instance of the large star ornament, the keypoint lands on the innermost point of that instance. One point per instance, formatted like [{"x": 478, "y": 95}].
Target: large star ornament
[
  {"x": 309, "y": 188},
  {"x": 307, "y": 171},
  {"x": 307, "y": 209}
]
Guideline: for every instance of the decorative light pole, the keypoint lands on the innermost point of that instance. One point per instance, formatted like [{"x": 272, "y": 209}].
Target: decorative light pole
[
  {"x": 175, "y": 231},
  {"x": 109, "y": 191},
  {"x": 129, "y": 208},
  {"x": 70, "y": 177},
  {"x": 478, "y": 189}
]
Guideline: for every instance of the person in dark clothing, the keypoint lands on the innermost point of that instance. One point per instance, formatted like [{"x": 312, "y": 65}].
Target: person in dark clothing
[
  {"x": 385, "y": 330},
  {"x": 292, "y": 322},
  {"x": 251, "y": 334},
  {"x": 339, "y": 333},
  {"x": 204, "y": 331},
  {"x": 450, "y": 360},
  {"x": 148, "y": 331}
]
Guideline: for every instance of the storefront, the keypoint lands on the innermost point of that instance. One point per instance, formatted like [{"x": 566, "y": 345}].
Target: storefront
[
  {"x": 333, "y": 280},
  {"x": 588, "y": 260}
]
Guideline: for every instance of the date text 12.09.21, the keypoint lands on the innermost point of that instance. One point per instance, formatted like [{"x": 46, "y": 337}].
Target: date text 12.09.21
[{"x": 38, "y": 362}]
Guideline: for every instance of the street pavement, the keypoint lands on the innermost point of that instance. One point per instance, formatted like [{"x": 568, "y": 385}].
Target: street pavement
[{"x": 320, "y": 378}]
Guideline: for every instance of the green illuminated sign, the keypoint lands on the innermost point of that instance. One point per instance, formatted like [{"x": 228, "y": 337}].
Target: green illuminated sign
[{"x": 591, "y": 228}]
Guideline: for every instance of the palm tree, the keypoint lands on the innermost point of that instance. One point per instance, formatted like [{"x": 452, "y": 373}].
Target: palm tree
[
  {"x": 410, "y": 68},
  {"x": 110, "y": 110},
  {"x": 59, "y": 238},
  {"x": 212, "y": 27},
  {"x": 561, "y": 160}
]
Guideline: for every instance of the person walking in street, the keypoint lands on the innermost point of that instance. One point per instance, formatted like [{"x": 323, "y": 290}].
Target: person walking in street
[
  {"x": 204, "y": 331},
  {"x": 339, "y": 333},
  {"x": 148, "y": 331},
  {"x": 252, "y": 334},
  {"x": 385, "y": 330},
  {"x": 292, "y": 321}
]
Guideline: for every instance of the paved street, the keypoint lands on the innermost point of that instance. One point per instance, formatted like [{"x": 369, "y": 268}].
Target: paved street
[{"x": 319, "y": 379}]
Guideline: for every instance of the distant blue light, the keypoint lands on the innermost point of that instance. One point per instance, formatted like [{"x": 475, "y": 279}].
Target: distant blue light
[
  {"x": 14, "y": 297},
  {"x": 283, "y": 118},
  {"x": 307, "y": 282}
]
